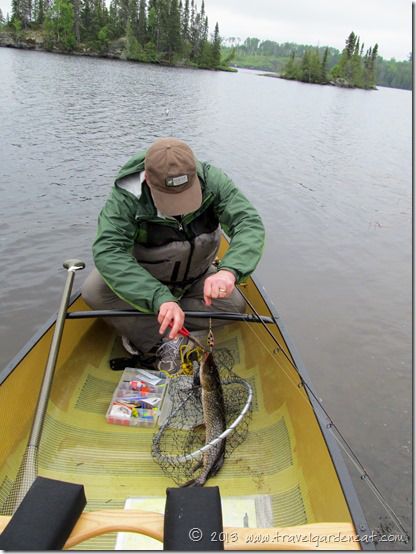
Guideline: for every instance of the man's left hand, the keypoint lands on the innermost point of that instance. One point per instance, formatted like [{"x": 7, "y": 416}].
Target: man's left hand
[{"x": 218, "y": 285}]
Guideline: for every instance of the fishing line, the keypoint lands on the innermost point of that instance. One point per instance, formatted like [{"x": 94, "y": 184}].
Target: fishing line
[{"x": 336, "y": 433}]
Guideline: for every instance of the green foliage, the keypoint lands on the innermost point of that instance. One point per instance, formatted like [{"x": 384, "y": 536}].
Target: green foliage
[
  {"x": 216, "y": 47},
  {"x": 354, "y": 69},
  {"x": 59, "y": 25},
  {"x": 285, "y": 59},
  {"x": 395, "y": 74},
  {"x": 134, "y": 50}
]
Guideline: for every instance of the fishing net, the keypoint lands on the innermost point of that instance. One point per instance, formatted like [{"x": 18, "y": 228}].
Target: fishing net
[{"x": 180, "y": 445}]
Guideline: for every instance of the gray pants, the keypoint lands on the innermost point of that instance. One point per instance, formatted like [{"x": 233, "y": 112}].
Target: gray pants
[{"x": 144, "y": 332}]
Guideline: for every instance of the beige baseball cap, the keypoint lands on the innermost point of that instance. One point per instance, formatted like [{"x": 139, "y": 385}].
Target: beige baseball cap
[{"x": 171, "y": 175}]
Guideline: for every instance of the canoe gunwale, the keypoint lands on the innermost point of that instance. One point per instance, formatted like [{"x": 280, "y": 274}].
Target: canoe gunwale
[
  {"x": 31, "y": 343},
  {"x": 344, "y": 476}
]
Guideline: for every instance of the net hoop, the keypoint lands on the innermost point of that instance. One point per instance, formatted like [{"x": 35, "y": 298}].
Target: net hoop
[{"x": 199, "y": 453}]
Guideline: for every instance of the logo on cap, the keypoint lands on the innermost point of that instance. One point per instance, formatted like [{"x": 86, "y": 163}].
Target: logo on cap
[{"x": 176, "y": 181}]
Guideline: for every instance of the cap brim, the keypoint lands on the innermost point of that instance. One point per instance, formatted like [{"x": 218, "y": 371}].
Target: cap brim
[{"x": 179, "y": 203}]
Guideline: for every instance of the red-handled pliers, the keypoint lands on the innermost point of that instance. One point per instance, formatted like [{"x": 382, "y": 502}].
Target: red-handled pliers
[{"x": 185, "y": 333}]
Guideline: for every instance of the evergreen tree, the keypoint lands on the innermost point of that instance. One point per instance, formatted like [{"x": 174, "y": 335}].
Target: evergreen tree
[
  {"x": 290, "y": 69},
  {"x": 185, "y": 22},
  {"x": 2, "y": 20},
  {"x": 324, "y": 69},
  {"x": 115, "y": 27},
  {"x": 142, "y": 25},
  {"x": 356, "y": 66},
  {"x": 153, "y": 23},
  {"x": 216, "y": 47},
  {"x": 134, "y": 51},
  {"x": 77, "y": 20},
  {"x": 16, "y": 11},
  {"x": 350, "y": 44},
  {"x": 133, "y": 18},
  {"x": 39, "y": 12},
  {"x": 174, "y": 30}
]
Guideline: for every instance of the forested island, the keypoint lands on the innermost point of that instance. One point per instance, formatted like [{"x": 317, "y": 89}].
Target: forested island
[
  {"x": 154, "y": 31},
  {"x": 353, "y": 70},
  {"x": 355, "y": 64}
]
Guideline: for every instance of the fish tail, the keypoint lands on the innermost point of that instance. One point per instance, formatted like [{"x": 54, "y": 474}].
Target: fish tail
[{"x": 218, "y": 463}]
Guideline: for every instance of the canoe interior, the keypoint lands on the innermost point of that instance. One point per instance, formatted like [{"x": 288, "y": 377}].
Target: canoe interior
[{"x": 284, "y": 456}]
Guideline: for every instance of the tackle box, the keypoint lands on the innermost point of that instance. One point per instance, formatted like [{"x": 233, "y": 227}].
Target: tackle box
[{"x": 138, "y": 398}]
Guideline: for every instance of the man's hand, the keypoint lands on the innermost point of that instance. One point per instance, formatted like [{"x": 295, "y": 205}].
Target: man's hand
[
  {"x": 218, "y": 285},
  {"x": 170, "y": 312}
]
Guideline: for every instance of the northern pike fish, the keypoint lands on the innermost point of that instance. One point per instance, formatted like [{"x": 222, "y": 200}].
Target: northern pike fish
[{"x": 214, "y": 419}]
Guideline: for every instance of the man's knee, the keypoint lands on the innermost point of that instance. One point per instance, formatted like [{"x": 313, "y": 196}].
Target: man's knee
[{"x": 92, "y": 290}]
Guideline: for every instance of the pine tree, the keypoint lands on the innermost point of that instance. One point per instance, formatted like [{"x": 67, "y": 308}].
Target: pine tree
[
  {"x": 323, "y": 72},
  {"x": 115, "y": 28},
  {"x": 174, "y": 30},
  {"x": 39, "y": 12},
  {"x": 356, "y": 66},
  {"x": 77, "y": 20},
  {"x": 372, "y": 67},
  {"x": 2, "y": 20},
  {"x": 133, "y": 18},
  {"x": 290, "y": 69},
  {"x": 185, "y": 21},
  {"x": 153, "y": 23},
  {"x": 216, "y": 47},
  {"x": 350, "y": 44},
  {"x": 142, "y": 26}
]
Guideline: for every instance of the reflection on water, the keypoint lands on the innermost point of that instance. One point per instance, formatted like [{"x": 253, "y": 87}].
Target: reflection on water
[{"x": 329, "y": 170}]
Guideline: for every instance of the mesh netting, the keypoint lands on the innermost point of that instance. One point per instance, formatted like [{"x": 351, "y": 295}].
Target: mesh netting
[
  {"x": 184, "y": 446},
  {"x": 26, "y": 475}
]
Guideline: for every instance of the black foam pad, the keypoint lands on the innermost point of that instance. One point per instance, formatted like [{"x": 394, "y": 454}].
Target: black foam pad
[
  {"x": 45, "y": 518},
  {"x": 193, "y": 519}
]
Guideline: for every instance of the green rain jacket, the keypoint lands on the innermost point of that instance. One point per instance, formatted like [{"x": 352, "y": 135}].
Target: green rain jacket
[{"x": 130, "y": 221}]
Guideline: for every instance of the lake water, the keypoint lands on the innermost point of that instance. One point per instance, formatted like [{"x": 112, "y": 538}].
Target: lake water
[{"x": 328, "y": 169}]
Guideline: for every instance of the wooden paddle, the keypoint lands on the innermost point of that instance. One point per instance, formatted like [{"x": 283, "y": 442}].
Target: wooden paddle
[{"x": 314, "y": 536}]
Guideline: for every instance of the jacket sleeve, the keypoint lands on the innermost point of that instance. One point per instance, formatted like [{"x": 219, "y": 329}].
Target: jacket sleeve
[
  {"x": 240, "y": 221},
  {"x": 114, "y": 260}
]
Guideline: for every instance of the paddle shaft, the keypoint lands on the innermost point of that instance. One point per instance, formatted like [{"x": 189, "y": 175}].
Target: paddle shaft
[{"x": 43, "y": 398}]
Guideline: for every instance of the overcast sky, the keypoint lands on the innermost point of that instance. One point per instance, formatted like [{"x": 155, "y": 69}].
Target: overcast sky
[{"x": 323, "y": 22}]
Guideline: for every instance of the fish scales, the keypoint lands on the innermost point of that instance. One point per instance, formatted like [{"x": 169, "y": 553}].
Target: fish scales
[{"x": 214, "y": 418}]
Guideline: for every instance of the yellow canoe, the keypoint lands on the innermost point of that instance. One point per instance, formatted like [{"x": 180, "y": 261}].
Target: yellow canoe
[{"x": 289, "y": 466}]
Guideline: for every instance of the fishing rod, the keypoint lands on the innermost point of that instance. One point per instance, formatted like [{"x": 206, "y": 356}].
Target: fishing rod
[
  {"x": 336, "y": 433},
  {"x": 226, "y": 316}
]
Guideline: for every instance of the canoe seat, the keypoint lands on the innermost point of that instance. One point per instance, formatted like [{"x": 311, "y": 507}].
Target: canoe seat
[{"x": 46, "y": 516}]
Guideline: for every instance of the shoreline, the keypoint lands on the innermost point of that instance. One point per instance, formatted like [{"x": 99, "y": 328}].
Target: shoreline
[{"x": 115, "y": 52}]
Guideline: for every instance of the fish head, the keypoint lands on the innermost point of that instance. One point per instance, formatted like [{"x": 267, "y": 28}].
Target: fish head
[{"x": 208, "y": 372}]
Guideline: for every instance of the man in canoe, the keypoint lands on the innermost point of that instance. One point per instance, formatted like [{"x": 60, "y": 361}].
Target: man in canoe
[{"x": 157, "y": 239}]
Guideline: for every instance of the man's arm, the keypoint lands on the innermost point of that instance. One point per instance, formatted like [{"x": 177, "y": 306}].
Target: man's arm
[
  {"x": 240, "y": 221},
  {"x": 115, "y": 262}
]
